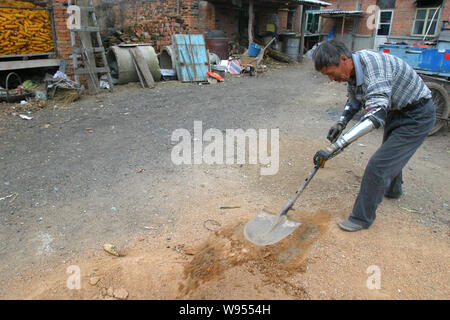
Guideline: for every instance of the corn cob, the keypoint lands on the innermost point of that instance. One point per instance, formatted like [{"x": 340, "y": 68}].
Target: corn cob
[{"x": 24, "y": 31}]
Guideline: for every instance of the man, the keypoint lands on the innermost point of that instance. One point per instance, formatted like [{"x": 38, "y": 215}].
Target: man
[{"x": 396, "y": 99}]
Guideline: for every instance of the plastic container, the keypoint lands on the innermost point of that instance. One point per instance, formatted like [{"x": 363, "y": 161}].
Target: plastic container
[{"x": 254, "y": 49}]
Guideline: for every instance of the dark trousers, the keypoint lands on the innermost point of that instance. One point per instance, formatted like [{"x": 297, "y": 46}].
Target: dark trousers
[{"x": 404, "y": 132}]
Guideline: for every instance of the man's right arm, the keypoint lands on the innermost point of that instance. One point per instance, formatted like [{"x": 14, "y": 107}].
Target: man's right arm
[{"x": 351, "y": 108}]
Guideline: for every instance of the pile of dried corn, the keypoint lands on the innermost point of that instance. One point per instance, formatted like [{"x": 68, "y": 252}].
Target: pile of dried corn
[{"x": 24, "y": 31}]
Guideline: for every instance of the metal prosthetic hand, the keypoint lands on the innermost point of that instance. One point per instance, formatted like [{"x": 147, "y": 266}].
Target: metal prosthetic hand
[{"x": 374, "y": 119}]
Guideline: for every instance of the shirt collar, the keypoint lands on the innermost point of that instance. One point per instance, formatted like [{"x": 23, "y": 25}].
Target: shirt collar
[{"x": 358, "y": 69}]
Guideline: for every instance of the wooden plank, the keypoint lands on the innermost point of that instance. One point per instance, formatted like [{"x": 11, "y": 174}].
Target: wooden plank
[
  {"x": 302, "y": 39},
  {"x": 95, "y": 50},
  {"x": 91, "y": 70},
  {"x": 7, "y": 56},
  {"x": 87, "y": 29},
  {"x": 89, "y": 9},
  {"x": 250, "y": 22},
  {"x": 28, "y": 64},
  {"x": 143, "y": 67},
  {"x": 137, "y": 69}
]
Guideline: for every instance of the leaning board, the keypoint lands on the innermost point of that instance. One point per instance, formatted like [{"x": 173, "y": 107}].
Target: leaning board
[{"x": 191, "y": 57}]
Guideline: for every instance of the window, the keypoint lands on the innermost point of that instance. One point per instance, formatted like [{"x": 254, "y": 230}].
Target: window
[
  {"x": 312, "y": 20},
  {"x": 425, "y": 21},
  {"x": 384, "y": 26}
]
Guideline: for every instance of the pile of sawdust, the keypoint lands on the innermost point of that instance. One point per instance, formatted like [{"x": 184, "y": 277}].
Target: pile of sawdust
[{"x": 228, "y": 248}]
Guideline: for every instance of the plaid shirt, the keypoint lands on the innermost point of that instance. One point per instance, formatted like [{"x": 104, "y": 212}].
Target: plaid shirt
[{"x": 382, "y": 80}]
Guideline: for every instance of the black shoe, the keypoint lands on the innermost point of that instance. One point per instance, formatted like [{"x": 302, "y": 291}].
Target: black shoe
[
  {"x": 350, "y": 226},
  {"x": 393, "y": 196}
]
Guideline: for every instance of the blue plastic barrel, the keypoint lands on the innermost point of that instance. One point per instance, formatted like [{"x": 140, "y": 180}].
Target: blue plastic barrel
[{"x": 254, "y": 49}]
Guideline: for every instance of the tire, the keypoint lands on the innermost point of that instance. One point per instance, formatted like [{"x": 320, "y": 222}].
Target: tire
[{"x": 441, "y": 101}]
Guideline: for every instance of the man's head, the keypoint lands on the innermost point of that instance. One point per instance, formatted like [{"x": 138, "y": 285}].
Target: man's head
[{"x": 333, "y": 59}]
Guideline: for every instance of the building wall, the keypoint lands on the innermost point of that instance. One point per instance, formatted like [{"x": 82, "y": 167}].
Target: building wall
[
  {"x": 348, "y": 5},
  {"x": 63, "y": 42},
  {"x": 234, "y": 21},
  {"x": 283, "y": 19},
  {"x": 403, "y": 17},
  {"x": 160, "y": 19},
  {"x": 226, "y": 20}
]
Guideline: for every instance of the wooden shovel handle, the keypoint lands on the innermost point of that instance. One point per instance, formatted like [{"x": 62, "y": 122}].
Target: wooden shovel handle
[{"x": 292, "y": 200}]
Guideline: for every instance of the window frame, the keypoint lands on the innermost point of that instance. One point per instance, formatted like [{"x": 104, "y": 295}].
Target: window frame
[
  {"x": 427, "y": 18},
  {"x": 390, "y": 23},
  {"x": 310, "y": 12}
]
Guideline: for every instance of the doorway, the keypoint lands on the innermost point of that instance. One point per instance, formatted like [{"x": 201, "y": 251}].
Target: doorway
[{"x": 384, "y": 23}]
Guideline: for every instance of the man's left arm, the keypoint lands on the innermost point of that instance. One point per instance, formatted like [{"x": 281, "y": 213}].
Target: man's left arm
[
  {"x": 371, "y": 121},
  {"x": 378, "y": 81}
]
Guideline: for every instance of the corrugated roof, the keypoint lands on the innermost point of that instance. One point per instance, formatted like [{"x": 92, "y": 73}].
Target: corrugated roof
[
  {"x": 337, "y": 12},
  {"x": 314, "y": 2}
]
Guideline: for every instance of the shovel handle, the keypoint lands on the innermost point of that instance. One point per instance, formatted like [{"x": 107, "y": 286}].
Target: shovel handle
[{"x": 294, "y": 198}]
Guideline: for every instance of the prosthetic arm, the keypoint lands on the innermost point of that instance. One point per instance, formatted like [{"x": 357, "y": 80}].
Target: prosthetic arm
[{"x": 371, "y": 120}]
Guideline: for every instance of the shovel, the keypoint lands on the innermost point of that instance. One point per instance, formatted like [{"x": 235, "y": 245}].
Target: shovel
[{"x": 267, "y": 228}]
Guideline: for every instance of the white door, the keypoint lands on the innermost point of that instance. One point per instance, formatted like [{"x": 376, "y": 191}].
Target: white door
[{"x": 384, "y": 23}]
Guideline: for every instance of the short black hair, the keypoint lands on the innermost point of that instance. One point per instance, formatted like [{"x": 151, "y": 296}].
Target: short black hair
[{"x": 328, "y": 53}]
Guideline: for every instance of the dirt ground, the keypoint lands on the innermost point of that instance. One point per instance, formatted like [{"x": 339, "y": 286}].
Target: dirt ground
[{"x": 99, "y": 171}]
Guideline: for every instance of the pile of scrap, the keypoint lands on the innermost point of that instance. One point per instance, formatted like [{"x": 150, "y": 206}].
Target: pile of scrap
[
  {"x": 61, "y": 89},
  {"x": 278, "y": 55},
  {"x": 24, "y": 31},
  {"x": 30, "y": 106},
  {"x": 129, "y": 36}
]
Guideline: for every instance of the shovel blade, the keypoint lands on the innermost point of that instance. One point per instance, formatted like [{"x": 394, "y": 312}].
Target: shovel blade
[{"x": 267, "y": 228}]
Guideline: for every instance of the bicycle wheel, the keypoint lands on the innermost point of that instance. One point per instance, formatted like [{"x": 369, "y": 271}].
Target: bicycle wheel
[{"x": 441, "y": 101}]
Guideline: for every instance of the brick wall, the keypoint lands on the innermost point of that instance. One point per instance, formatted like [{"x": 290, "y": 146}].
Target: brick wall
[
  {"x": 63, "y": 42},
  {"x": 446, "y": 12},
  {"x": 297, "y": 18},
  {"x": 282, "y": 19},
  {"x": 403, "y": 17},
  {"x": 160, "y": 19},
  {"x": 207, "y": 17},
  {"x": 225, "y": 20},
  {"x": 348, "y": 5}
]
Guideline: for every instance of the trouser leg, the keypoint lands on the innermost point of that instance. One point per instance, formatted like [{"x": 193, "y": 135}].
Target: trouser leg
[
  {"x": 406, "y": 132},
  {"x": 395, "y": 189}
]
